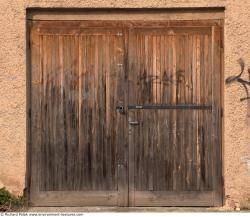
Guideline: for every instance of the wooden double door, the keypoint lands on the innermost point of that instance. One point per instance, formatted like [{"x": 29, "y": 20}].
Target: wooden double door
[{"x": 125, "y": 113}]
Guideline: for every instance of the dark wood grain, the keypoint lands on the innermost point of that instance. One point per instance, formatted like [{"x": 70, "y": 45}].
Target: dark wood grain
[
  {"x": 81, "y": 145},
  {"x": 176, "y": 144},
  {"x": 78, "y": 137}
]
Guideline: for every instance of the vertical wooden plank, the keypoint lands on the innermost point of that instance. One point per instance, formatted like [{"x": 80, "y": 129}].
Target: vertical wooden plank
[
  {"x": 157, "y": 156},
  {"x": 216, "y": 115},
  {"x": 158, "y": 68},
  {"x": 113, "y": 97},
  {"x": 85, "y": 95},
  {"x": 143, "y": 114},
  {"x": 108, "y": 89},
  {"x": 100, "y": 111},
  {"x": 94, "y": 81},
  {"x": 81, "y": 123},
  {"x": 61, "y": 134},
  {"x": 66, "y": 77},
  {"x": 151, "y": 101},
  {"x": 43, "y": 60},
  {"x": 75, "y": 98},
  {"x": 89, "y": 105},
  {"x": 170, "y": 155},
  {"x": 162, "y": 118},
  {"x": 140, "y": 150},
  {"x": 49, "y": 143},
  {"x": 164, "y": 114},
  {"x": 44, "y": 147},
  {"x": 198, "y": 113},
  {"x": 152, "y": 121},
  {"x": 122, "y": 90},
  {"x": 206, "y": 87},
  {"x": 80, "y": 146},
  {"x": 132, "y": 90},
  {"x": 130, "y": 118},
  {"x": 145, "y": 117},
  {"x": 143, "y": 130},
  {"x": 181, "y": 84},
  {"x": 89, "y": 95},
  {"x": 210, "y": 114},
  {"x": 194, "y": 115},
  {"x": 57, "y": 114},
  {"x": 202, "y": 116},
  {"x": 178, "y": 114},
  {"x": 154, "y": 75},
  {"x": 187, "y": 149},
  {"x": 103, "y": 110},
  {"x": 189, "y": 93},
  {"x": 76, "y": 110},
  {"x": 139, "y": 100},
  {"x": 55, "y": 108},
  {"x": 173, "y": 101}
]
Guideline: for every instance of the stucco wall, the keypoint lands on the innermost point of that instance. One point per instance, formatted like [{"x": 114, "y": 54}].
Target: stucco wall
[{"x": 13, "y": 87}]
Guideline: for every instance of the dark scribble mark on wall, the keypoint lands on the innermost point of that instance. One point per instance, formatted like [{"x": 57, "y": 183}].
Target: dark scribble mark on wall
[{"x": 237, "y": 78}]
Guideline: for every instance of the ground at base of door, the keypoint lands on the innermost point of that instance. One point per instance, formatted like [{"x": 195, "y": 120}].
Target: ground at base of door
[{"x": 131, "y": 209}]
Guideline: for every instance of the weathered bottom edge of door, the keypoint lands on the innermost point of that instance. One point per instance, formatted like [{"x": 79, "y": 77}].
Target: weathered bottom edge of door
[
  {"x": 173, "y": 198},
  {"x": 74, "y": 198},
  {"x": 136, "y": 199}
]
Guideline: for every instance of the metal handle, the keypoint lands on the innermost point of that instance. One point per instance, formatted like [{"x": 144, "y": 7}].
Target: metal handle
[{"x": 134, "y": 123}]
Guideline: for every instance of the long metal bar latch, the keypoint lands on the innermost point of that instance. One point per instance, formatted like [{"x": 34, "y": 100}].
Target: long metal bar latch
[{"x": 167, "y": 106}]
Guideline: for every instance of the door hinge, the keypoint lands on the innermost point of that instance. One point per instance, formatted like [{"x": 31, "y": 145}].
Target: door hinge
[
  {"x": 119, "y": 34},
  {"x": 29, "y": 44},
  {"x": 30, "y": 113},
  {"x": 221, "y": 44}
]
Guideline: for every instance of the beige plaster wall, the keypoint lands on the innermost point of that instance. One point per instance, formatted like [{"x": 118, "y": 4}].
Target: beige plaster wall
[{"x": 13, "y": 87}]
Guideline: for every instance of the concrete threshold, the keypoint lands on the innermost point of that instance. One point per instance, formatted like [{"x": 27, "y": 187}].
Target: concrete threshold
[{"x": 128, "y": 209}]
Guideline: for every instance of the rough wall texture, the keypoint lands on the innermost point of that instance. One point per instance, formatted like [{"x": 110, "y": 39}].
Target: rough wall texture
[{"x": 236, "y": 156}]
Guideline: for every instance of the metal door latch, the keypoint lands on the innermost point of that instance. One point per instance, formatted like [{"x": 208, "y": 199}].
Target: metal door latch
[{"x": 120, "y": 109}]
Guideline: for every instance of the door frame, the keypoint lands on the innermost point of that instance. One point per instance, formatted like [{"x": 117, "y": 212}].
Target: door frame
[{"x": 195, "y": 15}]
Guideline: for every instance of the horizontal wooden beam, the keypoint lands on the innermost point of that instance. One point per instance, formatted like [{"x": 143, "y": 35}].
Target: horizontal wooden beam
[
  {"x": 74, "y": 198},
  {"x": 173, "y": 198},
  {"x": 127, "y": 14}
]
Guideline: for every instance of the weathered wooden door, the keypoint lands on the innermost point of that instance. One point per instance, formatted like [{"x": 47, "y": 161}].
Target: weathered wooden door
[
  {"x": 174, "y": 115},
  {"x": 125, "y": 113},
  {"x": 77, "y": 134}
]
